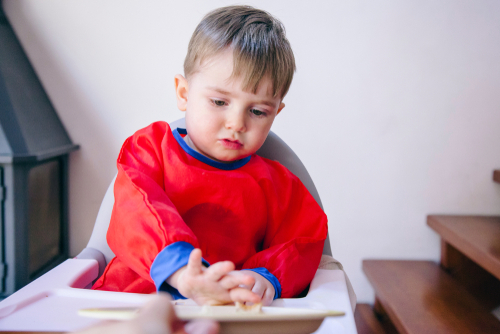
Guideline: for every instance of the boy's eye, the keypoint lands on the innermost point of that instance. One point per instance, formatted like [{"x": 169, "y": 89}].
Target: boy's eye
[
  {"x": 219, "y": 103},
  {"x": 257, "y": 112}
]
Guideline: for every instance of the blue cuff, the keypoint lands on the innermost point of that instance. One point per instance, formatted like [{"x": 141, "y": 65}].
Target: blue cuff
[
  {"x": 271, "y": 278},
  {"x": 167, "y": 262}
]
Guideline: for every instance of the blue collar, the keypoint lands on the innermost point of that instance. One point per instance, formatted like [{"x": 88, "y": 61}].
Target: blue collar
[{"x": 220, "y": 165}]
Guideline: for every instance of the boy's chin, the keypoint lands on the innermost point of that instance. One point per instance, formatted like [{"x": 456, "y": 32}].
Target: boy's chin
[{"x": 229, "y": 159}]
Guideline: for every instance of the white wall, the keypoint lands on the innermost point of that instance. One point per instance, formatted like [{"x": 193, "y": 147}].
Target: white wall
[{"x": 395, "y": 108}]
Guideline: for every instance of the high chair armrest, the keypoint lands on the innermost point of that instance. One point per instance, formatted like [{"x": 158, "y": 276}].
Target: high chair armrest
[
  {"x": 90, "y": 253},
  {"x": 328, "y": 291},
  {"x": 328, "y": 288},
  {"x": 72, "y": 273},
  {"x": 329, "y": 263}
]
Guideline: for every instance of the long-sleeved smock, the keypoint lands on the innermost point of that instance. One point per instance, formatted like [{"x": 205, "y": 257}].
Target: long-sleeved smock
[{"x": 169, "y": 199}]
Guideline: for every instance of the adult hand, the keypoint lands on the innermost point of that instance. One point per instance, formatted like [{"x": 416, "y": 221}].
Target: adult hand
[{"x": 156, "y": 317}]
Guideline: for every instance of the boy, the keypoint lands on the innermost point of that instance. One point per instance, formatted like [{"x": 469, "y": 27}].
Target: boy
[{"x": 203, "y": 187}]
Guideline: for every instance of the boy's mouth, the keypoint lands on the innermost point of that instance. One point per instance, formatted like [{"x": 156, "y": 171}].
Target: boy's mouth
[{"x": 231, "y": 144}]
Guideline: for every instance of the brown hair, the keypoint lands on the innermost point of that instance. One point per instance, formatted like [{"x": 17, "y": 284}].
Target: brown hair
[{"x": 260, "y": 47}]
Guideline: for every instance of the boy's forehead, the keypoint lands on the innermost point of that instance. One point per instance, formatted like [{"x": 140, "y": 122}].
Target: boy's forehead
[
  {"x": 217, "y": 73},
  {"x": 232, "y": 85}
]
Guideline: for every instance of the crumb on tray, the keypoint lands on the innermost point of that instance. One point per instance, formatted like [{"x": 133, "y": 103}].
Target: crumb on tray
[{"x": 255, "y": 308}]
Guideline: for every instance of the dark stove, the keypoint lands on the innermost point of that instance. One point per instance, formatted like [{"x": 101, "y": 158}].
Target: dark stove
[{"x": 34, "y": 149}]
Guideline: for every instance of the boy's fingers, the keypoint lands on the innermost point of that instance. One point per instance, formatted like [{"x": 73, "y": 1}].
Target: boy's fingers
[
  {"x": 247, "y": 280},
  {"x": 232, "y": 281},
  {"x": 228, "y": 282},
  {"x": 268, "y": 297},
  {"x": 243, "y": 295},
  {"x": 259, "y": 289},
  {"x": 218, "y": 270},
  {"x": 194, "y": 262}
]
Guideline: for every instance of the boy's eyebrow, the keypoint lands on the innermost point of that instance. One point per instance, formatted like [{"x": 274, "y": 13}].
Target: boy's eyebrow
[
  {"x": 222, "y": 91},
  {"x": 268, "y": 103}
]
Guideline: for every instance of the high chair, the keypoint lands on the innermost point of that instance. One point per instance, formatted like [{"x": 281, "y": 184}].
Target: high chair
[{"x": 63, "y": 288}]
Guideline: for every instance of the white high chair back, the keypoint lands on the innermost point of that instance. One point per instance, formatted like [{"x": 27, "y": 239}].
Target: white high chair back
[{"x": 274, "y": 148}]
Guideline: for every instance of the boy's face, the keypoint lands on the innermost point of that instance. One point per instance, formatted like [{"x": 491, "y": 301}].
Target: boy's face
[{"x": 224, "y": 122}]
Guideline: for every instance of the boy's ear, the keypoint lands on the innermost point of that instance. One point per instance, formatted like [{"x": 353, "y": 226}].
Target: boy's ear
[
  {"x": 181, "y": 92},
  {"x": 282, "y": 105}
]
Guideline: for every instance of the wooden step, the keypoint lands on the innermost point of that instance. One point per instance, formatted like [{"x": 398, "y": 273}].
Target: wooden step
[
  {"x": 496, "y": 176},
  {"x": 469, "y": 253},
  {"x": 368, "y": 323},
  {"x": 477, "y": 237},
  {"x": 420, "y": 297}
]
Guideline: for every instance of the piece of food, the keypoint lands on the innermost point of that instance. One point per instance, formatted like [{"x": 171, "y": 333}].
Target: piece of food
[{"x": 255, "y": 308}]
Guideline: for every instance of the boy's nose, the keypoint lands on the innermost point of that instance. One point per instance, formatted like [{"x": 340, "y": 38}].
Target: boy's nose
[{"x": 236, "y": 122}]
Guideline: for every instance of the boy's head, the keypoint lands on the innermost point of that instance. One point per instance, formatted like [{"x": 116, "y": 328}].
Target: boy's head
[
  {"x": 238, "y": 68},
  {"x": 257, "y": 40}
]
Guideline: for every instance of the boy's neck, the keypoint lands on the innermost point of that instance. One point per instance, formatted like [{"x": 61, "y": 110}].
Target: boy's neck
[{"x": 190, "y": 143}]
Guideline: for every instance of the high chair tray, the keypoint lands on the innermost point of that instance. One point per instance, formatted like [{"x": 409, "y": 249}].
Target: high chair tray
[
  {"x": 52, "y": 302},
  {"x": 57, "y": 309},
  {"x": 272, "y": 320}
]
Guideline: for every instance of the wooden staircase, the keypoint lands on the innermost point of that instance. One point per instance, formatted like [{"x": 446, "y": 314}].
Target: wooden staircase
[{"x": 461, "y": 294}]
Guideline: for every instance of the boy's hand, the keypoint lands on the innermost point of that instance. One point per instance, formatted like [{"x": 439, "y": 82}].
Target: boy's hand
[
  {"x": 213, "y": 285},
  {"x": 262, "y": 287}
]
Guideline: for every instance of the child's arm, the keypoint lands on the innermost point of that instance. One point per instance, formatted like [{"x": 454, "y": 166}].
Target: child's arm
[
  {"x": 213, "y": 285},
  {"x": 297, "y": 228},
  {"x": 145, "y": 224}
]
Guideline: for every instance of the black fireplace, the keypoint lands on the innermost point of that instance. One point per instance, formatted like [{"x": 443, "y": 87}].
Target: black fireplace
[{"x": 34, "y": 148}]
